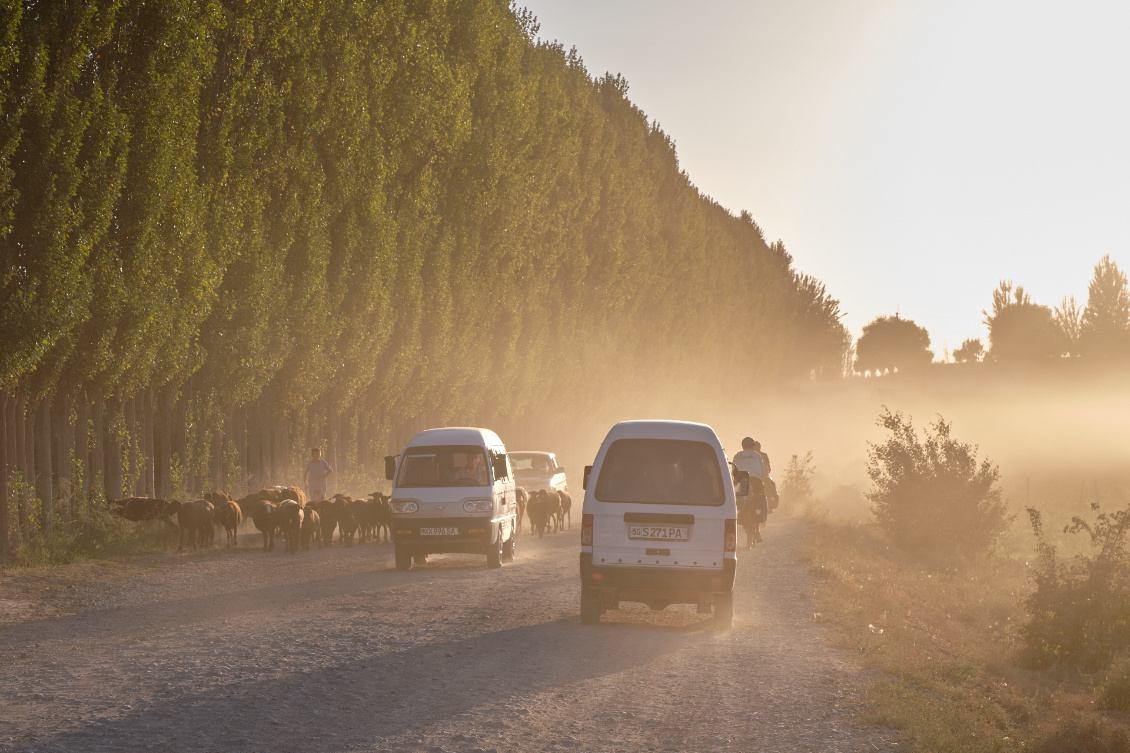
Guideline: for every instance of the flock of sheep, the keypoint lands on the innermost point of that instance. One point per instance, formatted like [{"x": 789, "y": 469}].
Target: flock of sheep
[{"x": 284, "y": 510}]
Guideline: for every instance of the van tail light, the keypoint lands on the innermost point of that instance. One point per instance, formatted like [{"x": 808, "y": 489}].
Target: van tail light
[
  {"x": 586, "y": 529},
  {"x": 730, "y": 541}
]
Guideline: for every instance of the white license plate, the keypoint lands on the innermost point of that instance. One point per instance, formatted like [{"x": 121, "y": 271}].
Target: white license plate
[
  {"x": 439, "y": 531},
  {"x": 659, "y": 533}
]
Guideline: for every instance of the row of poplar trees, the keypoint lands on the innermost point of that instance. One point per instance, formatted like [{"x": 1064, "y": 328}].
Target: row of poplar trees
[{"x": 233, "y": 230}]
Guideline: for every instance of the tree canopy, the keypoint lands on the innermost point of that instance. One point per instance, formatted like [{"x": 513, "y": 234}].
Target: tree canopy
[
  {"x": 892, "y": 343},
  {"x": 368, "y": 208},
  {"x": 1105, "y": 325}
]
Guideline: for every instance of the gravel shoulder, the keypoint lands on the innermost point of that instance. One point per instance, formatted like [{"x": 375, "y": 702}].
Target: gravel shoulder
[{"x": 334, "y": 650}]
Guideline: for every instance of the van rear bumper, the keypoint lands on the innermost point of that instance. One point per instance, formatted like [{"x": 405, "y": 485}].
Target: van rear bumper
[{"x": 666, "y": 579}]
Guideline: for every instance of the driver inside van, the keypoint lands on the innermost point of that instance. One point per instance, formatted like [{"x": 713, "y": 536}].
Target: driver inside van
[{"x": 473, "y": 472}]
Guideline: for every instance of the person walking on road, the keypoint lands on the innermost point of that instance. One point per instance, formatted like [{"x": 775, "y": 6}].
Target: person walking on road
[{"x": 317, "y": 471}]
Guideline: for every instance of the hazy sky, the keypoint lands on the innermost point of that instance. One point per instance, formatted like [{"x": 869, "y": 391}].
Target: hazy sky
[{"x": 909, "y": 154}]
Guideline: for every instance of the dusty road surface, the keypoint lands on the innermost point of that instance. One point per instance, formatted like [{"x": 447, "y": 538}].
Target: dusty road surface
[{"x": 337, "y": 651}]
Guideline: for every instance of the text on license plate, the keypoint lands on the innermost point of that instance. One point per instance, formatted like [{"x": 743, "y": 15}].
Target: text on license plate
[
  {"x": 439, "y": 531},
  {"x": 659, "y": 533}
]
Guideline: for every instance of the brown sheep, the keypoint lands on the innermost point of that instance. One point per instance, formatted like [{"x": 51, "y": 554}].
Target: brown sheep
[
  {"x": 293, "y": 492},
  {"x": 346, "y": 518},
  {"x": 384, "y": 515},
  {"x": 229, "y": 516},
  {"x": 248, "y": 503},
  {"x": 311, "y": 528},
  {"x": 289, "y": 520},
  {"x": 365, "y": 510},
  {"x": 217, "y": 497},
  {"x": 192, "y": 518},
  {"x": 327, "y": 512},
  {"x": 262, "y": 514},
  {"x": 540, "y": 512},
  {"x": 137, "y": 509},
  {"x": 565, "y": 509}
]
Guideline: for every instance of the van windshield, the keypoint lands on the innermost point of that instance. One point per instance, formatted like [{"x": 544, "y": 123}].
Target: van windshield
[
  {"x": 661, "y": 471},
  {"x": 443, "y": 465}
]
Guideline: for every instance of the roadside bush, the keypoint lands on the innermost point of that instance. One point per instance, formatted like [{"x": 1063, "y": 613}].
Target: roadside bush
[
  {"x": 1079, "y": 613},
  {"x": 931, "y": 496},
  {"x": 796, "y": 487},
  {"x": 1114, "y": 692}
]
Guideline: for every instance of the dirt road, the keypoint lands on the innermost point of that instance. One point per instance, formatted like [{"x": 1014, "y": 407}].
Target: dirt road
[{"x": 337, "y": 651}]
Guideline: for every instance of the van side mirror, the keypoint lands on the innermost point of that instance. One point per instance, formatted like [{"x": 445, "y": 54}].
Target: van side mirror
[
  {"x": 390, "y": 467},
  {"x": 741, "y": 483},
  {"x": 559, "y": 470},
  {"x": 498, "y": 463},
  {"x": 585, "y": 480}
]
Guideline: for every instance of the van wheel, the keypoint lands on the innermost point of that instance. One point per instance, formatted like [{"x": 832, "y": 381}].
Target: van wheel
[
  {"x": 590, "y": 608},
  {"x": 494, "y": 556},
  {"x": 723, "y": 611},
  {"x": 403, "y": 558},
  {"x": 508, "y": 549}
]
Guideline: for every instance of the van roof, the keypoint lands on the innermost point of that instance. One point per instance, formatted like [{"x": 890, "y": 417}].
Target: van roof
[
  {"x": 663, "y": 430},
  {"x": 456, "y": 435}
]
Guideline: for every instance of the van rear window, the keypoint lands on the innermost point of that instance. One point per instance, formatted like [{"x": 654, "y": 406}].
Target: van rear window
[{"x": 662, "y": 472}]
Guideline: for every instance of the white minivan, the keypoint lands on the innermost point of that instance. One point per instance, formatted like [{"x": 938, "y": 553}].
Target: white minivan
[
  {"x": 453, "y": 491},
  {"x": 659, "y": 522}
]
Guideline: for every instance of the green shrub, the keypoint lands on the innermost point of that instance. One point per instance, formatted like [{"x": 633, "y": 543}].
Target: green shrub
[
  {"x": 1079, "y": 613},
  {"x": 931, "y": 496}
]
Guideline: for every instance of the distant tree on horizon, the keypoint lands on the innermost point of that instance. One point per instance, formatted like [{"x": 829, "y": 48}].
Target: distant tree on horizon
[
  {"x": 1105, "y": 327},
  {"x": 1021, "y": 331},
  {"x": 892, "y": 343},
  {"x": 971, "y": 350},
  {"x": 1069, "y": 318}
]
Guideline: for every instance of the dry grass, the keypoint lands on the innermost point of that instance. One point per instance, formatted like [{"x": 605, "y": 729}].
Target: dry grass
[{"x": 946, "y": 642}]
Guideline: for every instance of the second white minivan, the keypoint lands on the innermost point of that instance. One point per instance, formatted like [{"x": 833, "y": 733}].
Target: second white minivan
[
  {"x": 453, "y": 491},
  {"x": 659, "y": 522}
]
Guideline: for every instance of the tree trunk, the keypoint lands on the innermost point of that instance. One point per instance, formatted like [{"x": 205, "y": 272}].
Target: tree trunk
[
  {"x": 218, "y": 455},
  {"x": 239, "y": 421},
  {"x": 114, "y": 450},
  {"x": 188, "y": 460},
  {"x": 63, "y": 436},
  {"x": 164, "y": 466},
  {"x": 180, "y": 432},
  {"x": 44, "y": 489},
  {"x": 147, "y": 443},
  {"x": 31, "y": 491},
  {"x": 267, "y": 474},
  {"x": 283, "y": 451},
  {"x": 98, "y": 487},
  {"x": 80, "y": 486},
  {"x": 5, "y": 541}
]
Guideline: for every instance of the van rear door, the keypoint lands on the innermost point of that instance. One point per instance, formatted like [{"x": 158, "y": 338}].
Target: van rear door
[{"x": 659, "y": 503}]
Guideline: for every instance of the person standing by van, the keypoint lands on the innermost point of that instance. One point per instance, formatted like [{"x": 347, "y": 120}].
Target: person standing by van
[{"x": 317, "y": 471}]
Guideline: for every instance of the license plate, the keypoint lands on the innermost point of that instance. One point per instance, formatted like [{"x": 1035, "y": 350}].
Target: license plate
[
  {"x": 659, "y": 533},
  {"x": 439, "y": 531}
]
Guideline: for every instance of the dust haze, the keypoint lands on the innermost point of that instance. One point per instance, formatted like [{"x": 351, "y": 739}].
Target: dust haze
[{"x": 1055, "y": 435}]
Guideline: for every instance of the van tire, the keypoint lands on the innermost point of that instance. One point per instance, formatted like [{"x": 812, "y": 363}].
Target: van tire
[
  {"x": 724, "y": 611},
  {"x": 508, "y": 548},
  {"x": 495, "y": 554},
  {"x": 403, "y": 558},
  {"x": 590, "y": 608}
]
